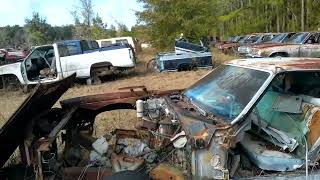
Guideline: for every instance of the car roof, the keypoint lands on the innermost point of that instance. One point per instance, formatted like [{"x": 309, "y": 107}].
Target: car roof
[{"x": 278, "y": 64}]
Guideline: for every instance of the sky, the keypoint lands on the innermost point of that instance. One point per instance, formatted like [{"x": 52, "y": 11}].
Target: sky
[{"x": 57, "y": 12}]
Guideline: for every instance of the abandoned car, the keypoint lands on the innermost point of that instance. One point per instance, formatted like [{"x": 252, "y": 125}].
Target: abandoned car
[
  {"x": 303, "y": 44},
  {"x": 187, "y": 56},
  {"x": 256, "y": 118},
  {"x": 259, "y": 39}
]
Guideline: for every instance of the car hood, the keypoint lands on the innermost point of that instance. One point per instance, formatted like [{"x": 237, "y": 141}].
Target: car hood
[
  {"x": 40, "y": 100},
  {"x": 228, "y": 45}
]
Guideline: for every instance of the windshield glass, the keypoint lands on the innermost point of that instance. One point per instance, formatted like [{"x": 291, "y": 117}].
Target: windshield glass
[
  {"x": 298, "y": 38},
  {"x": 278, "y": 38},
  {"x": 252, "y": 39},
  {"x": 244, "y": 39},
  {"x": 226, "y": 90}
]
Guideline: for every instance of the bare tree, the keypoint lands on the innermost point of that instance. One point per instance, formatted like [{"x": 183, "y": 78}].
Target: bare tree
[{"x": 83, "y": 16}]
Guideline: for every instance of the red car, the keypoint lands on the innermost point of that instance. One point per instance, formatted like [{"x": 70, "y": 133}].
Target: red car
[{"x": 12, "y": 55}]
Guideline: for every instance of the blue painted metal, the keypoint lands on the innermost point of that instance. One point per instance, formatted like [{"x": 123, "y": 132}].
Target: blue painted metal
[{"x": 186, "y": 56}]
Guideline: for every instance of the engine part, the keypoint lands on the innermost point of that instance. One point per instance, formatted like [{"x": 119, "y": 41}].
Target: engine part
[
  {"x": 165, "y": 128},
  {"x": 124, "y": 163},
  {"x": 148, "y": 124},
  {"x": 132, "y": 146},
  {"x": 140, "y": 108},
  {"x": 100, "y": 145}
]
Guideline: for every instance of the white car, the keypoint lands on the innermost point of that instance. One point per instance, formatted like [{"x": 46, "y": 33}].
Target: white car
[{"x": 50, "y": 63}]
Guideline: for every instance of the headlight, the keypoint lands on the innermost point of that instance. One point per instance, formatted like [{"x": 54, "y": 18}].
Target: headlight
[
  {"x": 247, "y": 50},
  {"x": 259, "y": 52},
  {"x": 256, "y": 52}
]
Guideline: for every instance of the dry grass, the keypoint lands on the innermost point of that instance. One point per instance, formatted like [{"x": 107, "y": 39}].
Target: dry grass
[{"x": 10, "y": 101}]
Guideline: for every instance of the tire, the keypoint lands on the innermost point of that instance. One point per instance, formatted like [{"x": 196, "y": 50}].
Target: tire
[
  {"x": 151, "y": 65},
  {"x": 93, "y": 80}
]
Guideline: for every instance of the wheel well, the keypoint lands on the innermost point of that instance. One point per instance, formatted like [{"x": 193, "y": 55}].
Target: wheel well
[
  {"x": 282, "y": 54},
  {"x": 100, "y": 65},
  {"x": 7, "y": 80}
]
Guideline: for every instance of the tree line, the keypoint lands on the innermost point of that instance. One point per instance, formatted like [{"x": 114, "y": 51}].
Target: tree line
[
  {"x": 164, "y": 20},
  {"x": 37, "y": 31},
  {"x": 161, "y": 21}
]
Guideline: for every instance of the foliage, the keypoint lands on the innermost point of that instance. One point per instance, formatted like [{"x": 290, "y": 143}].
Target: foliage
[
  {"x": 37, "y": 29},
  {"x": 165, "y": 20}
]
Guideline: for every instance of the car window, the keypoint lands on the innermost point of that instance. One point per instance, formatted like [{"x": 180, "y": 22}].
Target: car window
[
  {"x": 95, "y": 45},
  {"x": 105, "y": 43},
  {"x": 69, "y": 49},
  {"x": 84, "y": 45},
  {"x": 298, "y": 38},
  {"x": 41, "y": 53},
  {"x": 313, "y": 39},
  {"x": 122, "y": 41}
]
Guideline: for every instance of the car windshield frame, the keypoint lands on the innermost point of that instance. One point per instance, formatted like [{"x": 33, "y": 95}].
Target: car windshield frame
[{"x": 196, "y": 92}]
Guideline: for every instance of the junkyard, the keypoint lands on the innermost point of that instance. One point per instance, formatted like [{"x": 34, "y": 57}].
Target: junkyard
[{"x": 168, "y": 90}]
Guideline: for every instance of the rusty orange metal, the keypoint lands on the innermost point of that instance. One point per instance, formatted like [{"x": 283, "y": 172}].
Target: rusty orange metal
[
  {"x": 166, "y": 172},
  {"x": 314, "y": 128}
]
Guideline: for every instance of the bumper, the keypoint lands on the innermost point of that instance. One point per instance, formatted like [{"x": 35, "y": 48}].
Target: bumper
[{"x": 252, "y": 56}]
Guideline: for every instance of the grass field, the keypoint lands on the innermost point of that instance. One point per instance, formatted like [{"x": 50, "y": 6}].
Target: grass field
[{"x": 10, "y": 101}]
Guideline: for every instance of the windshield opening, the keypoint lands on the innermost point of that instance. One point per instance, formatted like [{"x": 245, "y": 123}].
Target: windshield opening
[
  {"x": 226, "y": 90},
  {"x": 298, "y": 38}
]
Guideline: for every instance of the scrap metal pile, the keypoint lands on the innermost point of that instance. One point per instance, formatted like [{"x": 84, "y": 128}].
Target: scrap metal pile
[{"x": 246, "y": 119}]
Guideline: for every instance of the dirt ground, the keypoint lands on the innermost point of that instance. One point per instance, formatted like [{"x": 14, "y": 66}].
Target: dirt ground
[{"x": 10, "y": 101}]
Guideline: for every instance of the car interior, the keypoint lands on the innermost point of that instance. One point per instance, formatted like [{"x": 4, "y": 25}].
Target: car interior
[{"x": 40, "y": 64}]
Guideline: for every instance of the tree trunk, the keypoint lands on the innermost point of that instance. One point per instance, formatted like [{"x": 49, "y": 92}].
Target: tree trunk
[
  {"x": 278, "y": 19},
  {"x": 302, "y": 15}
]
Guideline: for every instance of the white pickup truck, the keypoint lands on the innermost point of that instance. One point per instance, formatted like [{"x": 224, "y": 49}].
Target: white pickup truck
[{"x": 53, "y": 62}]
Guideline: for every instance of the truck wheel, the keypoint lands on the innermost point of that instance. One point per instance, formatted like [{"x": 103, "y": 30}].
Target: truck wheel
[{"x": 93, "y": 80}]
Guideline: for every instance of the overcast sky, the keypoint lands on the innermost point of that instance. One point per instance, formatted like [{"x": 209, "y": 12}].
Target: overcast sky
[{"x": 57, "y": 12}]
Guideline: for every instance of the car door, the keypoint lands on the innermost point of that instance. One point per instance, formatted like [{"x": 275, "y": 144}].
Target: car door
[
  {"x": 38, "y": 66},
  {"x": 311, "y": 47}
]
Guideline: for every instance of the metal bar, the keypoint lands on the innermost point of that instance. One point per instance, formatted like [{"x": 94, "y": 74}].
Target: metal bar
[{"x": 62, "y": 123}]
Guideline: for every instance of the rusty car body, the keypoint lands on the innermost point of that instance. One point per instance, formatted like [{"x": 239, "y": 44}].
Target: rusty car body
[
  {"x": 232, "y": 39},
  {"x": 256, "y": 118},
  {"x": 262, "y": 39},
  {"x": 303, "y": 44},
  {"x": 232, "y": 47}
]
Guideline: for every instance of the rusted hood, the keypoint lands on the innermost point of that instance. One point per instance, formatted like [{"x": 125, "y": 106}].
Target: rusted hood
[
  {"x": 123, "y": 99},
  {"x": 42, "y": 99}
]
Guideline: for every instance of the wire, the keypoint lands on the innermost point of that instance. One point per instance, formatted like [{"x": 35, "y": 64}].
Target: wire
[
  {"x": 84, "y": 171},
  {"x": 306, "y": 157}
]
